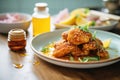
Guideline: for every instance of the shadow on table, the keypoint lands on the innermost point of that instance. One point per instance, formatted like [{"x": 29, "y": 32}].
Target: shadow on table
[{"x": 53, "y": 72}]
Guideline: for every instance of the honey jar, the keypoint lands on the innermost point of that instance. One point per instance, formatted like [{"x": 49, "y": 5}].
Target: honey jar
[{"x": 17, "y": 39}]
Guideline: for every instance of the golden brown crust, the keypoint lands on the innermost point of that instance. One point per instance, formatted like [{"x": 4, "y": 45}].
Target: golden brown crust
[
  {"x": 78, "y": 43},
  {"x": 77, "y": 36}
]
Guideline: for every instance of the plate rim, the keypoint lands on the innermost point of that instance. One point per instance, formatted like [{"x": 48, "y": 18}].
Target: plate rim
[
  {"x": 106, "y": 28},
  {"x": 74, "y": 62}
]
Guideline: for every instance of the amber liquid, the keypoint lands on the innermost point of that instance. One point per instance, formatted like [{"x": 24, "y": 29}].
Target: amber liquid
[
  {"x": 18, "y": 66},
  {"x": 40, "y": 25},
  {"x": 17, "y": 45}
]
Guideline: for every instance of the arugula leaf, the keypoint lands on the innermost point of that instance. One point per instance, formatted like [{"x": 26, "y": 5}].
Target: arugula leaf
[
  {"x": 84, "y": 28},
  {"x": 80, "y": 59},
  {"x": 45, "y": 49},
  {"x": 94, "y": 35},
  {"x": 86, "y": 59},
  {"x": 71, "y": 57},
  {"x": 93, "y": 23}
]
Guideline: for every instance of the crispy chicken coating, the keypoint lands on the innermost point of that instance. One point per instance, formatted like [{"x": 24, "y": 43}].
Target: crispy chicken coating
[
  {"x": 76, "y": 52},
  {"x": 65, "y": 35},
  {"x": 103, "y": 54},
  {"x": 63, "y": 48},
  {"x": 77, "y": 36},
  {"x": 79, "y": 43},
  {"x": 99, "y": 42},
  {"x": 92, "y": 45}
]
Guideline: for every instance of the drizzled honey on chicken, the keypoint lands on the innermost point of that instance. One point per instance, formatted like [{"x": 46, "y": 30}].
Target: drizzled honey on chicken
[{"x": 79, "y": 43}]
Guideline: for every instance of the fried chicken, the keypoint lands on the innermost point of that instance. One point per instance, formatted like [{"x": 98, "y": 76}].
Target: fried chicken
[
  {"x": 63, "y": 48},
  {"x": 65, "y": 35},
  {"x": 92, "y": 45},
  {"x": 102, "y": 54},
  {"x": 77, "y": 42},
  {"x": 77, "y": 36}
]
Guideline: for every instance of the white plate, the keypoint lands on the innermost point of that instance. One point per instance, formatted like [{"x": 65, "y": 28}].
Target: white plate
[
  {"x": 113, "y": 22},
  {"x": 106, "y": 28},
  {"x": 6, "y": 27},
  {"x": 43, "y": 39}
]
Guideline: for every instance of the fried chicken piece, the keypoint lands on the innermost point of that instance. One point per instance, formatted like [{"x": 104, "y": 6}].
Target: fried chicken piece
[
  {"x": 97, "y": 47},
  {"x": 103, "y": 53},
  {"x": 99, "y": 42},
  {"x": 65, "y": 35},
  {"x": 77, "y": 36},
  {"x": 92, "y": 45},
  {"x": 62, "y": 48},
  {"x": 57, "y": 44},
  {"x": 76, "y": 52},
  {"x": 79, "y": 43}
]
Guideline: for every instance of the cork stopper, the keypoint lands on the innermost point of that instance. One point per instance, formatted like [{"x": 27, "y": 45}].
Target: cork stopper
[
  {"x": 16, "y": 35},
  {"x": 41, "y": 6}
]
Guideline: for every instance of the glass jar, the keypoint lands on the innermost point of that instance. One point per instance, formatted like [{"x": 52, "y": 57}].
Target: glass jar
[
  {"x": 17, "y": 39},
  {"x": 112, "y": 5},
  {"x": 41, "y": 19}
]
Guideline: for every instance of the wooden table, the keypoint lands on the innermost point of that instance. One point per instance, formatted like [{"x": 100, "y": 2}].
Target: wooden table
[{"x": 33, "y": 68}]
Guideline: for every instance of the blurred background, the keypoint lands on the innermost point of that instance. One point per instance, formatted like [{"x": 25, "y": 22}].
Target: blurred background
[{"x": 54, "y": 5}]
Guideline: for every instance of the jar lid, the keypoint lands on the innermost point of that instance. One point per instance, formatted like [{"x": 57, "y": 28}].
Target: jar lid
[
  {"x": 16, "y": 34},
  {"x": 41, "y": 6}
]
